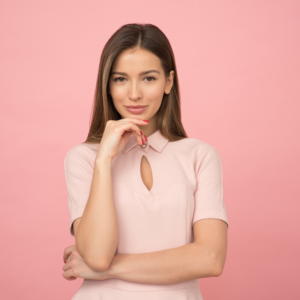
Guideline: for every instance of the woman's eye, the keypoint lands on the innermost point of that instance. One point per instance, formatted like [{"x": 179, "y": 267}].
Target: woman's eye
[
  {"x": 121, "y": 79},
  {"x": 151, "y": 78},
  {"x": 116, "y": 79}
]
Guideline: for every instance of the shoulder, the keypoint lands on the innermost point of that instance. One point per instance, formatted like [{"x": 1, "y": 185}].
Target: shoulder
[
  {"x": 193, "y": 148},
  {"x": 82, "y": 154}
]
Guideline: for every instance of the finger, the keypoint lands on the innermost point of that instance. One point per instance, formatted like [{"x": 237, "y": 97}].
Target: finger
[
  {"x": 131, "y": 126},
  {"x": 137, "y": 121},
  {"x": 69, "y": 275},
  {"x": 72, "y": 255},
  {"x": 67, "y": 252},
  {"x": 67, "y": 266},
  {"x": 66, "y": 256},
  {"x": 139, "y": 137}
]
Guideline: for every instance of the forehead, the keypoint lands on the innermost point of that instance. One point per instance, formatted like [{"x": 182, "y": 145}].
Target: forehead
[{"x": 136, "y": 61}]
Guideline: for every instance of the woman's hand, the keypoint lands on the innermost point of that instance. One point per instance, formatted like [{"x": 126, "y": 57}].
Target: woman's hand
[
  {"x": 116, "y": 135},
  {"x": 68, "y": 251},
  {"x": 76, "y": 267}
]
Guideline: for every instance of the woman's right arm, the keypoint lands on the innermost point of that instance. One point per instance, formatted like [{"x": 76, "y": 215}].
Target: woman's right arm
[{"x": 96, "y": 233}]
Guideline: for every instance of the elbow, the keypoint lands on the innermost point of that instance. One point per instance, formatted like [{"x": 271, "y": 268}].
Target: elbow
[
  {"x": 217, "y": 267},
  {"x": 98, "y": 265},
  {"x": 217, "y": 271},
  {"x": 101, "y": 268},
  {"x": 95, "y": 263}
]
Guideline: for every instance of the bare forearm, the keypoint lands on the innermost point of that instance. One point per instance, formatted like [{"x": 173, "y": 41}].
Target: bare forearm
[
  {"x": 97, "y": 237},
  {"x": 169, "y": 266}
]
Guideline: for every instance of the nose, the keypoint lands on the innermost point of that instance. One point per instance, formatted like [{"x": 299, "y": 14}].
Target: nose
[{"x": 135, "y": 92}]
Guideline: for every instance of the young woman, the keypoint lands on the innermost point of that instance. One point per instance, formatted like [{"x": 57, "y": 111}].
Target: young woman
[{"x": 146, "y": 201}]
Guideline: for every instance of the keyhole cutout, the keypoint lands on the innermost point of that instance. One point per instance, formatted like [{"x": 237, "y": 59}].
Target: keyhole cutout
[{"x": 146, "y": 173}]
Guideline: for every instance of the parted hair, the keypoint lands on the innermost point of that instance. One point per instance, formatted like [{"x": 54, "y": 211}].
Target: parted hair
[{"x": 148, "y": 37}]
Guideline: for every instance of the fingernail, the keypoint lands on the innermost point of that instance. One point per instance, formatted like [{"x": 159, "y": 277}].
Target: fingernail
[
  {"x": 141, "y": 132},
  {"x": 146, "y": 121},
  {"x": 146, "y": 138},
  {"x": 143, "y": 142}
]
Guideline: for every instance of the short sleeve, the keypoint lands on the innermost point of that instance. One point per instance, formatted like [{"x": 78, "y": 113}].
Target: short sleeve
[
  {"x": 78, "y": 166},
  {"x": 209, "y": 202}
]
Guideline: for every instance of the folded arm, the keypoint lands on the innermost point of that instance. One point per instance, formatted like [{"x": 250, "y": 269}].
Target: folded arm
[
  {"x": 205, "y": 257},
  {"x": 96, "y": 232}
]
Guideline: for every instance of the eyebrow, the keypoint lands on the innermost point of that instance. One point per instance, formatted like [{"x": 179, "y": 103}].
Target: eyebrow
[{"x": 142, "y": 73}]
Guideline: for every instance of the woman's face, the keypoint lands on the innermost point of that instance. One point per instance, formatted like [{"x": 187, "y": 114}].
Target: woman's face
[{"x": 130, "y": 85}]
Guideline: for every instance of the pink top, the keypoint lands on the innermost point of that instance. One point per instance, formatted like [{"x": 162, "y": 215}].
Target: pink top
[{"x": 187, "y": 187}]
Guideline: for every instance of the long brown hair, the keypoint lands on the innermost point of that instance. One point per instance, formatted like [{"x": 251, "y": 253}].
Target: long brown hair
[{"x": 151, "y": 38}]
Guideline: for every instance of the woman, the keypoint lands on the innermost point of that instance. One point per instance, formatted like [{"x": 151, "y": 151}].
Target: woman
[{"x": 146, "y": 202}]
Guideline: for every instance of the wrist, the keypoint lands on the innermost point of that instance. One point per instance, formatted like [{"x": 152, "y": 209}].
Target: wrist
[
  {"x": 114, "y": 269},
  {"x": 102, "y": 160}
]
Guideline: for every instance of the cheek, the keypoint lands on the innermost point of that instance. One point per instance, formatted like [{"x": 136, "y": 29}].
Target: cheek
[
  {"x": 154, "y": 92},
  {"x": 118, "y": 97},
  {"x": 118, "y": 93}
]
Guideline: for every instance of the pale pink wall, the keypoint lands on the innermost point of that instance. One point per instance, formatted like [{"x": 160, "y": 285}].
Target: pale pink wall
[{"x": 239, "y": 72}]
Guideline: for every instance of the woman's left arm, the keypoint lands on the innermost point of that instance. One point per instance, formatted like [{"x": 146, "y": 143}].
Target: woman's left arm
[{"x": 205, "y": 257}]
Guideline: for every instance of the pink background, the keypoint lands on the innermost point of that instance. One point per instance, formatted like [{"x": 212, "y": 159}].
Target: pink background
[{"x": 239, "y": 73}]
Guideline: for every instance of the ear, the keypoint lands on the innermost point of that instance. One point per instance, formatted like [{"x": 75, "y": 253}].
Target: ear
[{"x": 169, "y": 83}]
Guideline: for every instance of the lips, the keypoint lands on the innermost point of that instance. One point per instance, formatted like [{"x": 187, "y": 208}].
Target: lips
[
  {"x": 136, "y": 106},
  {"x": 136, "y": 109}
]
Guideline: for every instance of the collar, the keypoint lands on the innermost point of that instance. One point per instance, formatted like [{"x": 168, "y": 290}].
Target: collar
[{"x": 156, "y": 140}]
